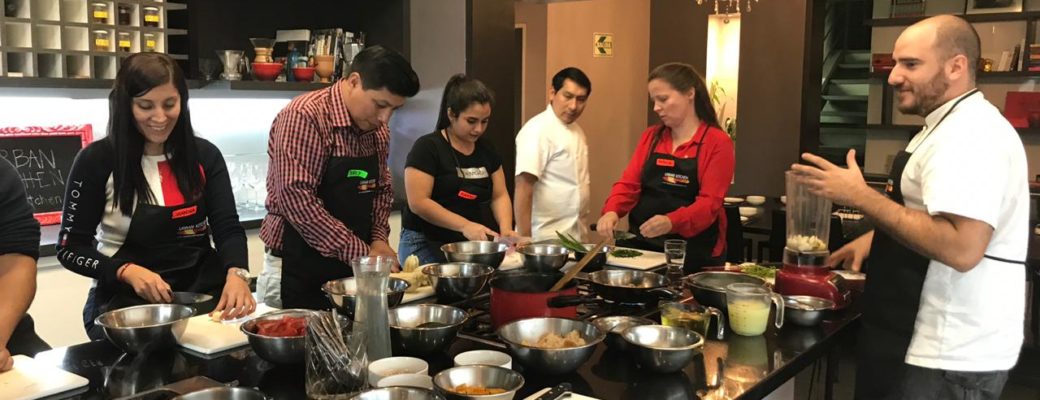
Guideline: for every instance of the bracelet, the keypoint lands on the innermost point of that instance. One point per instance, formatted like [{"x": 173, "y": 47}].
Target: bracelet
[{"x": 121, "y": 270}]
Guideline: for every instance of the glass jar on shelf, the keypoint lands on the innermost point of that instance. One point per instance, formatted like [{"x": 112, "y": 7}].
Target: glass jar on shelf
[
  {"x": 123, "y": 42},
  {"x": 149, "y": 40},
  {"x": 99, "y": 12},
  {"x": 101, "y": 41},
  {"x": 123, "y": 14},
  {"x": 151, "y": 16}
]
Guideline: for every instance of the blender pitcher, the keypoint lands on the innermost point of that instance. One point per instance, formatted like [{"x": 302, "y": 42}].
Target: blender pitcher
[
  {"x": 748, "y": 306},
  {"x": 808, "y": 225}
]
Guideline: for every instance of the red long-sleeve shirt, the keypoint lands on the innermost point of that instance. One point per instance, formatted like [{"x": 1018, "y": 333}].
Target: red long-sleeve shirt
[{"x": 714, "y": 172}]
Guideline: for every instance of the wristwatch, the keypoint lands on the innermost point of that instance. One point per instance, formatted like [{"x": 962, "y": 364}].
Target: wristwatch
[{"x": 241, "y": 273}]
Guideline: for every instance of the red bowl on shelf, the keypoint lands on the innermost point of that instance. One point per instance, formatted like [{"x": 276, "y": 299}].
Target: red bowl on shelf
[
  {"x": 303, "y": 74},
  {"x": 266, "y": 71}
]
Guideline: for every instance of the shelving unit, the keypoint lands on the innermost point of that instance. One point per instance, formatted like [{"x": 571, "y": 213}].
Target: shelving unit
[{"x": 55, "y": 39}]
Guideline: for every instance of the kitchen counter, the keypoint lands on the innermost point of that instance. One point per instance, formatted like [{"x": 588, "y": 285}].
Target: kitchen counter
[{"x": 752, "y": 367}]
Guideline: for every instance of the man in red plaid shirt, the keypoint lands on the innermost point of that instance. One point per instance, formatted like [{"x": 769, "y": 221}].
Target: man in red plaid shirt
[{"x": 328, "y": 184}]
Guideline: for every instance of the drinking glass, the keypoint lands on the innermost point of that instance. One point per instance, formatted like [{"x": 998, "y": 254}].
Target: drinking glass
[{"x": 675, "y": 253}]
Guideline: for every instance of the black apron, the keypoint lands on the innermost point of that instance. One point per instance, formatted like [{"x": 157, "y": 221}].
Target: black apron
[
  {"x": 669, "y": 183},
  {"x": 173, "y": 242},
  {"x": 466, "y": 192},
  {"x": 891, "y": 298},
  {"x": 348, "y": 190}
]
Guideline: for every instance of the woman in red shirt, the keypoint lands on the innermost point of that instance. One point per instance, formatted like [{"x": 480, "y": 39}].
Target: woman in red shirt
[{"x": 675, "y": 190}]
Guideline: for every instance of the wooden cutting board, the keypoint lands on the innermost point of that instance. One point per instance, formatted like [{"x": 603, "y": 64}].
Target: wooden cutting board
[
  {"x": 31, "y": 379},
  {"x": 203, "y": 335},
  {"x": 648, "y": 260}
]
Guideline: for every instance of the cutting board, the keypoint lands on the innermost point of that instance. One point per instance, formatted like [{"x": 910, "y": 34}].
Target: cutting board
[
  {"x": 206, "y": 336},
  {"x": 573, "y": 396},
  {"x": 421, "y": 293},
  {"x": 31, "y": 379},
  {"x": 648, "y": 260}
]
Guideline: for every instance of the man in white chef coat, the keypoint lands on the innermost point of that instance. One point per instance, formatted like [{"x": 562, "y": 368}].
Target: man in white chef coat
[{"x": 552, "y": 173}]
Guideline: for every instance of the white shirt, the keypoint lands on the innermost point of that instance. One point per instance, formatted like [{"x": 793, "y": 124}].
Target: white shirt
[
  {"x": 973, "y": 165},
  {"x": 557, "y": 155}
]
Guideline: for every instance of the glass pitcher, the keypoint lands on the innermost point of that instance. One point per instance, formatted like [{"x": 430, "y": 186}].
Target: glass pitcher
[
  {"x": 372, "y": 275},
  {"x": 808, "y": 217},
  {"x": 748, "y": 305},
  {"x": 693, "y": 317}
]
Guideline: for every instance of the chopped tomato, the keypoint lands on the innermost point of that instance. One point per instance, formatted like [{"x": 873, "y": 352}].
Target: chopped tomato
[{"x": 284, "y": 327}]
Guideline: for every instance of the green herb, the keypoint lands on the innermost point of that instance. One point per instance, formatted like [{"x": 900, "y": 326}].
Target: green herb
[
  {"x": 571, "y": 243},
  {"x": 753, "y": 269},
  {"x": 626, "y": 253}
]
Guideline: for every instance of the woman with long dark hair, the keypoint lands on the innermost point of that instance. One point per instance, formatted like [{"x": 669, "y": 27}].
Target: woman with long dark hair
[
  {"x": 675, "y": 182},
  {"x": 454, "y": 181},
  {"x": 142, "y": 204}
]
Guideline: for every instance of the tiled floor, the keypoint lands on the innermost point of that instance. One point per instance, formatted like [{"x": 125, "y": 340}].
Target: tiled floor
[{"x": 1023, "y": 382}]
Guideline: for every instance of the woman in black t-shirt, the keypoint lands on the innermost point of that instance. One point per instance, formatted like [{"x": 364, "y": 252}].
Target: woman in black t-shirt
[{"x": 455, "y": 184}]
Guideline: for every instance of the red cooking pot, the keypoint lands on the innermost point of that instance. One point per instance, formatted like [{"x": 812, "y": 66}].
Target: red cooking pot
[{"x": 520, "y": 294}]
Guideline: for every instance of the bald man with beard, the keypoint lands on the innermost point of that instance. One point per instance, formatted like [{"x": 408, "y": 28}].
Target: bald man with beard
[{"x": 944, "y": 302}]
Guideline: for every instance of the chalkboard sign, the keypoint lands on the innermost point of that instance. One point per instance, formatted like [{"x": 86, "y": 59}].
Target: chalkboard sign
[{"x": 43, "y": 157}]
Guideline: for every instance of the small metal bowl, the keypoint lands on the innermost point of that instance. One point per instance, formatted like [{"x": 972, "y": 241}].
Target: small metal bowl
[
  {"x": 224, "y": 393},
  {"x": 424, "y": 329},
  {"x": 342, "y": 293},
  {"x": 478, "y": 375},
  {"x": 278, "y": 350},
  {"x": 457, "y": 281},
  {"x": 398, "y": 393},
  {"x": 543, "y": 257},
  {"x": 614, "y": 326},
  {"x": 557, "y": 361},
  {"x": 662, "y": 349},
  {"x": 141, "y": 329},
  {"x": 598, "y": 260},
  {"x": 806, "y": 310},
  {"x": 480, "y": 252}
]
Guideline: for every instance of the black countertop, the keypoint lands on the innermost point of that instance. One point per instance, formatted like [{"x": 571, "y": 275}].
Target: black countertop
[{"x": 752, "y": 367}]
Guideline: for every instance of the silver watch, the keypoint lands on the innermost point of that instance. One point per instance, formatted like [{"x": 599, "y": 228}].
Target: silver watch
[{"x": 241, "y": 273}]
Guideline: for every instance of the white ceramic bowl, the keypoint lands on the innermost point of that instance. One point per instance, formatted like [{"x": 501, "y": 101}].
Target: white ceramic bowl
[
  {"x": 484, "y": 357},
  {"x": 756, "y": 200},
  {"x": 390, "y": 366},
  {"x": 414, "y": 380},
  {"x": 748, "y": 211},
  {"x": 733, "y": 200},
  {"x": 744, "y": 219},
  {"x": 783, "y": 199}
]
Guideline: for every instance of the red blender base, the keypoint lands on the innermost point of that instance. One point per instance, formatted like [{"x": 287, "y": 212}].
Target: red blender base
[{"x": 820, "y": 282}]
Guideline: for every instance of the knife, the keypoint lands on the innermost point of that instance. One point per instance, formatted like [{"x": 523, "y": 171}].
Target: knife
[{"x": 555, "y": 392}]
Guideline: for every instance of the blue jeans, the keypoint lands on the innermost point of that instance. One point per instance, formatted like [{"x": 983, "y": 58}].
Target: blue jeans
[{"x": 415, "y": 243}]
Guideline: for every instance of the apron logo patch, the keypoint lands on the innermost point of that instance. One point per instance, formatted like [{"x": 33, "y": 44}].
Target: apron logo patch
[
  {"x": 193, "y": 230},
  {"x": 665, "y": 162},
  {"x": 366, "y": 185},
  {"x": 357, "y": 173},
  {"x": 676, "y": 179},
  {"x": 472, "y": 173},
  {"x": 185, "y": 212},
  {"x": 467, "y": 195}
]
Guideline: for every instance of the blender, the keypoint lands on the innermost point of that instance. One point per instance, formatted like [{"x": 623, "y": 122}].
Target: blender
[{"x": 806, "y": 250}]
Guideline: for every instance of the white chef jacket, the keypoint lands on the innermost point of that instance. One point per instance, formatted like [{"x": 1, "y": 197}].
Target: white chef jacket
[
  {"x": 972, "y": 164},
  {"x": 557, "y": 155}
]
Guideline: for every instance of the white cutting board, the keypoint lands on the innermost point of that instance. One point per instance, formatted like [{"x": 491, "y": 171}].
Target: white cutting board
[
  {"x": 648, "y": 260},
  {"x": 573, "y": 396},
  {"x": 419, "y": 294},
  {"x": 206, "y": 336},
  {"x": 31, "y": 379}
]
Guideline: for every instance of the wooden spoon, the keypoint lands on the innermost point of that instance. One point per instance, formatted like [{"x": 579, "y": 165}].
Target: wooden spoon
[{"x": 581, "y": 264}]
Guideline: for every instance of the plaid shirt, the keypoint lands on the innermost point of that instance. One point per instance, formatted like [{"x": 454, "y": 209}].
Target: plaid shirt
[{"x": 305, "y": 134}]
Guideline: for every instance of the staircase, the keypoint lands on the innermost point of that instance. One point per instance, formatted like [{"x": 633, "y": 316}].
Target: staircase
[{"x": 846, "y": 81}]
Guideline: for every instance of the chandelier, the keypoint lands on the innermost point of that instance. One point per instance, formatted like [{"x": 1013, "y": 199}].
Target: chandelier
[{"x": 729, "y": 7}]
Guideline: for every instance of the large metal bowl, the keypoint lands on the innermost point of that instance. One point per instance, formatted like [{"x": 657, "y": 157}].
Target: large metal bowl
[
  {"x": 806, "y": 310},
  {"x": 224, "y": 393},
  {"x": 141, "y": 329},
  {"x": 662, "y": 349},
  {"x": 343, "y": 293},
  {"x": 543, "y": 257},
  {"x": 709, "y": 287},
  {"x": 424, "y": 329},
  {"x": 457, "y": 281},
  {"x": 278, "y": 350},
  {"x": 615, "y": 325},
  {"x": 556, "y": 361},
  {"x": 398, "y": 393},
  {"x": 478, "y": 375},
  {"x": 480, "y": 252}
]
